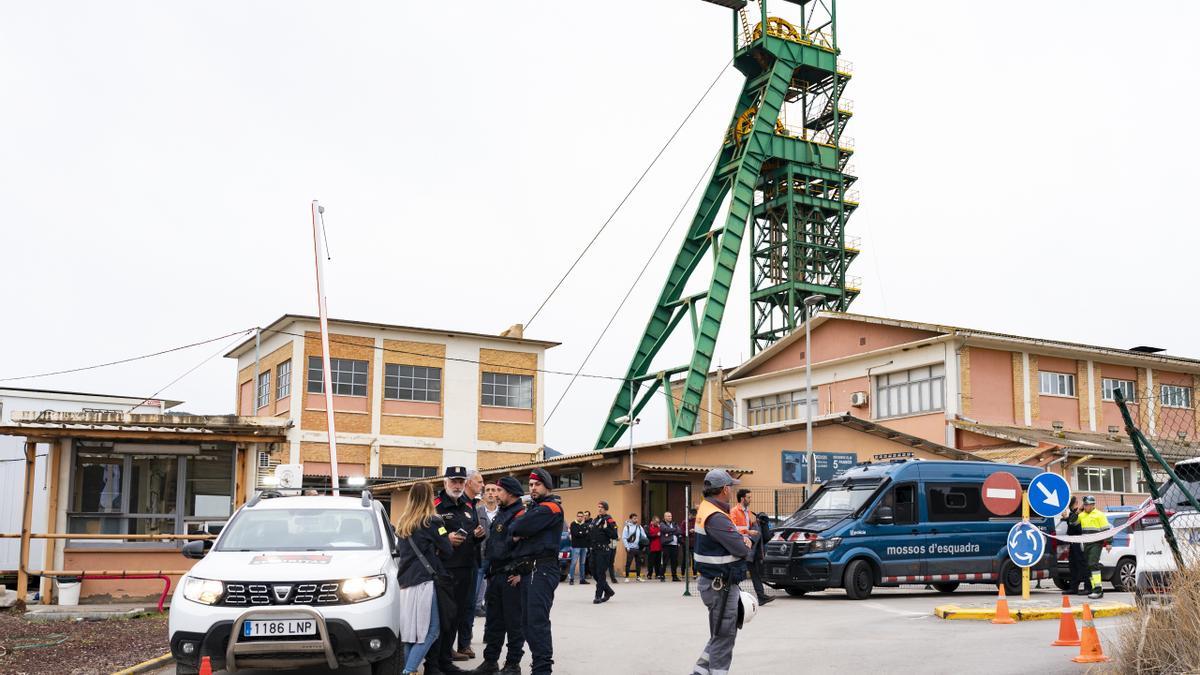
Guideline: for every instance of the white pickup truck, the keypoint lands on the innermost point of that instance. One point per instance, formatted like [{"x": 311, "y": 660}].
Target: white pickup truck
[
  {"x": 292, "y": 581},
  {"x": 1155, "y": 561}
]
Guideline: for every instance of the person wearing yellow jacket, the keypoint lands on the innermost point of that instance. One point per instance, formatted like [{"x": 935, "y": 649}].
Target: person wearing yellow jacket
[{"x": 1092, "y": 521}]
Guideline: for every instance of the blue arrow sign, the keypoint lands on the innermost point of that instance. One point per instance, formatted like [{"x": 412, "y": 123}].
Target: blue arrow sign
[
  {"x": 1049, "y": 494},
  {"x": 1026, "y": 544}
]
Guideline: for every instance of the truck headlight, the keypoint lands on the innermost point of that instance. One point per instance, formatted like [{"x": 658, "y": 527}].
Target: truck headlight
[
  {"x": 824, "y": 544},
  {"x": 364, "y": 588},
  {"x": 203, "y": 591}
]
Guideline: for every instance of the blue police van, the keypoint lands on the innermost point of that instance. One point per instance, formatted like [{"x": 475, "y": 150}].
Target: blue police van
[{"x": 904, "y": 522}]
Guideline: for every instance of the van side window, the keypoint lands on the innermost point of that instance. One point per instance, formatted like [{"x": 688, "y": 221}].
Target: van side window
[
  {"x": 902, "y": 499},
  {"x": 956, "y": 503}
]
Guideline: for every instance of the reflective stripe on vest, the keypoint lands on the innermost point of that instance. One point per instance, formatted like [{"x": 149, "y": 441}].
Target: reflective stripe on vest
[{"x": 711, "y": 558}]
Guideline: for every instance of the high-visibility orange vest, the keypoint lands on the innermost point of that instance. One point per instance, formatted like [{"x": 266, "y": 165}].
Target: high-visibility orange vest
[{"x": 740, "y": 518}]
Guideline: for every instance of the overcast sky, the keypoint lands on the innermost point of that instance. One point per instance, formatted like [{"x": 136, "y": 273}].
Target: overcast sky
[{"x": 1024, "y": 167}]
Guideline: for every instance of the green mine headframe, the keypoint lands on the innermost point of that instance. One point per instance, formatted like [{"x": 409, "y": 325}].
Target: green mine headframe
[{"x": 782, "y": 168}]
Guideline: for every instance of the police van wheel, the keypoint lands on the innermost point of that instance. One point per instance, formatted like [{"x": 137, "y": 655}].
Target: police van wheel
[
  {"x": 946, "y": 587},
  {"x": 860, "y": 580},
  {"x": 1010, "y": 576},
  {"x": 795, "y": 592}
]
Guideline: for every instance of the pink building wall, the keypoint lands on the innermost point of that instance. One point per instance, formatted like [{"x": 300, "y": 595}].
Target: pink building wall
[
  {"x": 931, "y": 427},
  {"x": 836, "y": 338},
  {"x": 991, "y": 386}
]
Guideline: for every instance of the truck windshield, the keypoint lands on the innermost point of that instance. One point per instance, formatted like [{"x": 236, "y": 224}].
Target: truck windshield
[
  {"x": 842, "y": 496},
  {"x": 301, "y": 530}
]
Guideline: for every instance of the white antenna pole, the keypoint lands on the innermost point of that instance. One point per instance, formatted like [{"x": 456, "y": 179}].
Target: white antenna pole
[{"x": 318, "y": 221}]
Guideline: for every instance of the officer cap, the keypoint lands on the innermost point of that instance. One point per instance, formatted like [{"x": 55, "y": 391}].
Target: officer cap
[
  {"x": 511, "y": 485},
  {"x": 542, "y": 476},
  {"x": 1089, "y": 500},
  {"x": 719, "y": 478},
  {"x": 456, "y": 472}
]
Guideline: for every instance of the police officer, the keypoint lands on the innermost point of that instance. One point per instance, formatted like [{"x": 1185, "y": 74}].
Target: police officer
[
  {"x": 719, "y": 558},
  {"x": 602, "y": 538},
  {"x": 536, "y": 534},
  {"x": 1092, "y": 521},
  {"x": 465, "y": 533},
  {"x": 503, "y": 600}
]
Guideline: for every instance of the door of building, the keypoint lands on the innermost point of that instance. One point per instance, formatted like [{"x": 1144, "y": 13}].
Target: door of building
[{"x": 659, "y": 496}]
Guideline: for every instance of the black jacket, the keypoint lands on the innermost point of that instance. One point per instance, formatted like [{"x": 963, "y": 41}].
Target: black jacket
[
  {"x": 604, "y": 530},
  {"x": 433, "y": 543},
  {"x": 670, "y": 533},
  {"x": 460, "y": 514},
  {"x": 539, "y": 529},
  {"x": 498, "y": 547},
  {"x": 579, "y": 534}
]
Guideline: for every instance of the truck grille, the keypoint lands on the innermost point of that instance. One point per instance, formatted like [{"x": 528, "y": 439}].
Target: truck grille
[
  {"x": 786, "y": 549},
  {"x": 262, "y": 593}
]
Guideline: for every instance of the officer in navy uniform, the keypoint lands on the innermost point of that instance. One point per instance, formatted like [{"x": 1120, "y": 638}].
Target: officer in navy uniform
[
  {"x": 536, "y": 534},
  {"x": 503, "y": 599},
  {"x": 602, "y": 536},
  {"x": 719, "y": 558},
  {"x": 465, "y": 533}
]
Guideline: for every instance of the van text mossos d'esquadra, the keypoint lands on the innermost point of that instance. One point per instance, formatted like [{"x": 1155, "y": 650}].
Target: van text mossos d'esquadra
[{"x": 935, "y": 549}]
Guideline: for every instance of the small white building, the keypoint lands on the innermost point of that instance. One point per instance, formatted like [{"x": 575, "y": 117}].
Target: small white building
[{"x": 12, "y": 455}]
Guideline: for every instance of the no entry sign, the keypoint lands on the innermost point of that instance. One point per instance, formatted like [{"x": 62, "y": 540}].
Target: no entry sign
[{"x": 1001, "y": 493}]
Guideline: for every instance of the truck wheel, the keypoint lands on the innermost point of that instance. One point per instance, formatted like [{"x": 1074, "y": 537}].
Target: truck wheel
[
  {"x": 859, "y": 579},
  {"x": 1124, "y": 577},
  {"x": 392, "y": 665},
  {"x": 795, "y": 592},
  {"x": 1062, "y": 583},
  {"x": 946, "y": 586}
]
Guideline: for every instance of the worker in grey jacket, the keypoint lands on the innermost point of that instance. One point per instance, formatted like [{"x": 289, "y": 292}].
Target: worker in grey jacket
[
  {"x": 720, "y": 561},
  {"x": 487, "y": 508}
]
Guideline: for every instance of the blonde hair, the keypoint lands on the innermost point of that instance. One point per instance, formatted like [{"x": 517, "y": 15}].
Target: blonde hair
[{"x": 418, "y": 510}]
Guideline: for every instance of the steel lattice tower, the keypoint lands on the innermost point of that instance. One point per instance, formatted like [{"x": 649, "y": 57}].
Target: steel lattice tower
[{"x": 782, "y": 169}]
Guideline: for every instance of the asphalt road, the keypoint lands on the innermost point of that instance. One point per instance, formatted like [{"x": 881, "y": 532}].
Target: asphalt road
[{"x": 650, "y": 628}]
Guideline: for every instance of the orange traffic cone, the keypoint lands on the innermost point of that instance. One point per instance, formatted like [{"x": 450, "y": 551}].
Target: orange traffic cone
[
  {"x": 1089, "y": 648},
  {"x": 205, "y": 665},
  {"x": 1068, "y": 636},
  {"x": 1002, "y": 615}
]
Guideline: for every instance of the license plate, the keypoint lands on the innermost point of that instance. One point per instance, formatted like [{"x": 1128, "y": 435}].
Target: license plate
[
  {"x": 780, "y": 571},
  {"x": 279, "y": 628}
]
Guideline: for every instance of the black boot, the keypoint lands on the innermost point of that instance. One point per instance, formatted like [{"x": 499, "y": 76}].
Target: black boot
[
  {"x": 511, "y": 669},
  {"x": 486, "y": 668}
]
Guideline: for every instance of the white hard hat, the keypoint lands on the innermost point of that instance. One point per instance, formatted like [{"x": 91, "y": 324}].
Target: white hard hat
[{"x": 748, "y": 608}]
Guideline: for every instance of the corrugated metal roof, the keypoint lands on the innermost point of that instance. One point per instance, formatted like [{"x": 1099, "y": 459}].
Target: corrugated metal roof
[{"x": 690, "y": 468}]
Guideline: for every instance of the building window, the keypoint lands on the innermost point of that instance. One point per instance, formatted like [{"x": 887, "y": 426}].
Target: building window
[
  {"x": 1109, "y": 385},
  {"x": 1101, "y": 479},
  {"x": 1175, "y": 396},
  {"x": 1056, "y": 384},
  {"x": 283, "y": 380},
  {"x": 570, "y": 479},
  {"x": 727, "y": 413},
  {"x": 909, "y": 392},
  {"x": 264, "y": 390},
  {"x": 405, "y": 472},
  {"x": 412, "y": 383},
  {"x": 349, "y": 376},
  {"x": 146, "y": 493},
  {"x": 508, "y": 391},
  {"x": 777, "y": 408}
]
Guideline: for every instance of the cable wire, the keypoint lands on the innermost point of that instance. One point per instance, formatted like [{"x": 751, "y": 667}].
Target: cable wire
[
  {"x": 611, "y": 319},
  {"x": 193, "y": 369},
  {"x": 628, "y": 194},
  {"x": 128, "y": 360}
]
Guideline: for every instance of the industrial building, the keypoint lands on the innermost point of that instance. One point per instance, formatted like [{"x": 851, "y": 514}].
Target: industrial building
[{"x": 407, "y": 401}]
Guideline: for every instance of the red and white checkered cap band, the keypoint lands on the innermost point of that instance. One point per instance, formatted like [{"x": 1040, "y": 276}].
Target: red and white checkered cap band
[{"x": 975, "y": 576}]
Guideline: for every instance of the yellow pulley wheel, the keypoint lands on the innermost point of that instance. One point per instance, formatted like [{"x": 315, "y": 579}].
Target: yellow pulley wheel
[{"x": 779, "y": 28}]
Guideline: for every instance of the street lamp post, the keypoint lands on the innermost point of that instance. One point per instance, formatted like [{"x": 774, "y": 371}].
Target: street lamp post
[{"x": 809, "y": 302}]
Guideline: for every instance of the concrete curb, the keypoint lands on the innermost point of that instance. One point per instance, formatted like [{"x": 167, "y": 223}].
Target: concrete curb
[
  {"x": 1036, "y": 613},
  {"x": 147, "y": 666}
]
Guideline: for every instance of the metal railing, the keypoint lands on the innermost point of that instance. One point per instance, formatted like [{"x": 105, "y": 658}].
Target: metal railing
[
  {"x": 854, "y": 244},
  {"x": 854, "y": 284}
]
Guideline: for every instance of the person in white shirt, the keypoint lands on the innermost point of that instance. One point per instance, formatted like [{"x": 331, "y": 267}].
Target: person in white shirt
[{"x": 633, "y": 537}]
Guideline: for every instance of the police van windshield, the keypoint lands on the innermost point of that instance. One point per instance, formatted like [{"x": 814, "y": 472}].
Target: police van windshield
[
  {"x": 301, "y": 530},
  {"x": 841, "y": 497}
]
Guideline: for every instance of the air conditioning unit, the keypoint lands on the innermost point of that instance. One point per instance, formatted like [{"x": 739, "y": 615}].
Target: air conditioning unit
[
  {"x": 858, "y": 399},
  {"x": 289, "y": 476}
]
